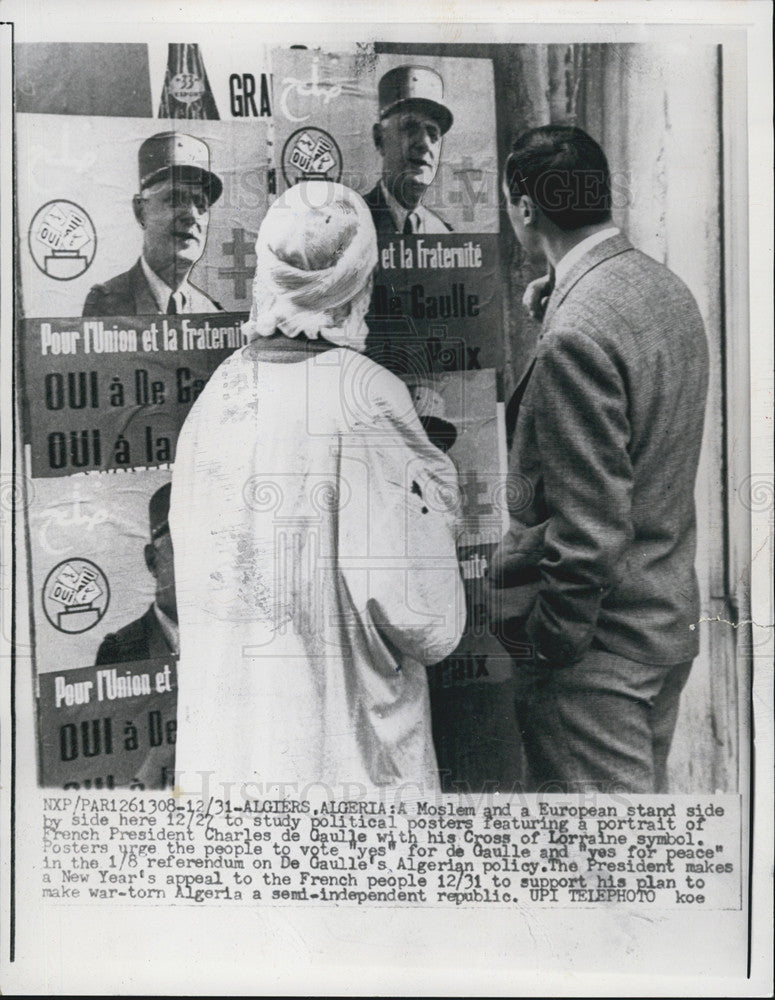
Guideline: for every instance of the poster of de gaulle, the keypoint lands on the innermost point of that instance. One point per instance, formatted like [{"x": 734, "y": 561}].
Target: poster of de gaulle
[
  {"x": 144, "y": 172},
  {"x": 436, "y": 302}
]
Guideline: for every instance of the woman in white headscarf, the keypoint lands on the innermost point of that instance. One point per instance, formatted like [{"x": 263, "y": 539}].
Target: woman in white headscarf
[{"x": 314, "y": 532}]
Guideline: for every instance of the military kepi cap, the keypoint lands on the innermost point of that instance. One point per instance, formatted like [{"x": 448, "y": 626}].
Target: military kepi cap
[
  {"x": 188, "y": 156},
  {"x": 419, "y": 86},
  {"x": 159, "y": 512}
]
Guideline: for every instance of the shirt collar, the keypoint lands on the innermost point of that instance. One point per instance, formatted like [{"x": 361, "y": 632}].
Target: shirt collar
[
  {"x": 160, "y": 290},
  {"x": 397, "y": 210},
  {"x": 573, "y": 256},
  {"x": 169, "y": 628}
]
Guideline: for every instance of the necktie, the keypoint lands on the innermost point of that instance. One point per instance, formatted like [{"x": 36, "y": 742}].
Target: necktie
[
  {"x": 172, "y": 306},
  {"x": 409, "y": 224}
]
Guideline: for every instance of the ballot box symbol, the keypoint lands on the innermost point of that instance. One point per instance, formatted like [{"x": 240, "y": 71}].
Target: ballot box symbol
[
  {"x": 311, "y": 154},
  {"x": 62, "y": 240},
  {"x": 75, "y": 595}
]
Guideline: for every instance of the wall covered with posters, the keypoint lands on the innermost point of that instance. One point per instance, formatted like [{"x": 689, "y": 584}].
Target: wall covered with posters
[
  {"x": 109, "y": 374},
  {"x": 105, "y": 394}
]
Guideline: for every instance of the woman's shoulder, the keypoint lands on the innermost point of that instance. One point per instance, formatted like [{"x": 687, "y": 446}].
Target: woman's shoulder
[
  {"x": 368, "y": 392},
  {"x": 381, "y": 381},
  {"x": 231, "y": 380}
]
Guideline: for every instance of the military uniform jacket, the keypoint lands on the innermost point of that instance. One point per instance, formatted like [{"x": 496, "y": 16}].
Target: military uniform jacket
[
  {"x": 142, "y": 639},
  {"x": 385, "y": 224},
  {"x": 129, "y": 294}
]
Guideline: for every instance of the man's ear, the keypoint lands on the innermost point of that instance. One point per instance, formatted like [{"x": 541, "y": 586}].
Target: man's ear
[
  {"x": 376, "y": 132},
  {"x": 150, "y": 558},
  {"x": 529, "y": 209},
  {"x": 138, "y": 206}
]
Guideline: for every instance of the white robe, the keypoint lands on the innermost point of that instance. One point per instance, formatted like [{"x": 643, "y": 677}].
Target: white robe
[{"x": 313, "y": 579}]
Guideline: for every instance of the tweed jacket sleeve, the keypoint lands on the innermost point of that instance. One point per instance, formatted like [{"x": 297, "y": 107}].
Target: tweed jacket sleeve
[{"x": 582, "y": 434}]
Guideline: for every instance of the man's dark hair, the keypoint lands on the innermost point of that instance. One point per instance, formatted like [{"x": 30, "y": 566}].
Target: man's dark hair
[{"x": 564, "y": 171}]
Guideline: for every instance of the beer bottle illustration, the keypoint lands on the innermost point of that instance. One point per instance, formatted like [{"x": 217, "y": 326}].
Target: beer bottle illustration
[{"x": 186, "y": 92}]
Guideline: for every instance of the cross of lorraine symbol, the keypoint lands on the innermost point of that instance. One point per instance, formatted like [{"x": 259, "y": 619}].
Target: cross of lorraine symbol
[
  {"x": 240, "y": 273},
  {"x": 472, "y": 488}
]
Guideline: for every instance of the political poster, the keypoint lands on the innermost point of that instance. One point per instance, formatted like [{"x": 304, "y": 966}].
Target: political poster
[{"x": 436, "y": 304}]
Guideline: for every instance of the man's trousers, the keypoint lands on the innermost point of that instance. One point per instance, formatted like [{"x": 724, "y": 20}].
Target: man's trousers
[{"x": 604, "y": 724}]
